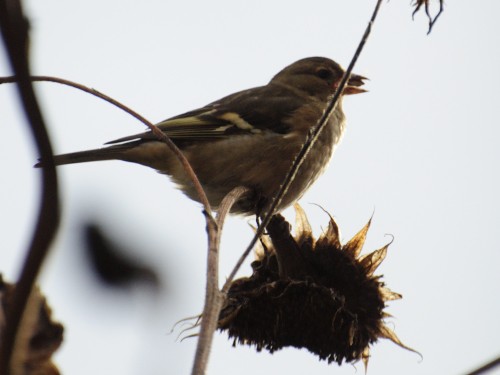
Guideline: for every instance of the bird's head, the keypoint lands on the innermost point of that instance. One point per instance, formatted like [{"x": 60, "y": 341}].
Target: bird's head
[{"x": 319, "y": 77}]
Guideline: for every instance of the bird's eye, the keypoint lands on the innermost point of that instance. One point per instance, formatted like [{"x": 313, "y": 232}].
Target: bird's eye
[{"x": 323, "y": 73}]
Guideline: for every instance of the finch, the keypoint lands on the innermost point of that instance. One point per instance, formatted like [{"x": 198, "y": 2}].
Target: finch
[{"x": 249, "y": 138}]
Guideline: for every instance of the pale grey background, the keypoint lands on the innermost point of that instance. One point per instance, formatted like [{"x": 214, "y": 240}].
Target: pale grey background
[{"x": 421, "y": 151}]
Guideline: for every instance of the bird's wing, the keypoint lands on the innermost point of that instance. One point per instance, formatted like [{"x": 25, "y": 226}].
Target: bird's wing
[{"x": 251, "y": 111}]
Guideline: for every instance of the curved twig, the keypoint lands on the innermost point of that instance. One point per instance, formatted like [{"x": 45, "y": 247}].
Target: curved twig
[
  {"x": 154, "y": 129},
  {"x": 15, "y": 34}
]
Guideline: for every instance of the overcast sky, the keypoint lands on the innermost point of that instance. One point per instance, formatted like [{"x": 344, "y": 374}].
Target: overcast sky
[{"x": 421, "y": 152}]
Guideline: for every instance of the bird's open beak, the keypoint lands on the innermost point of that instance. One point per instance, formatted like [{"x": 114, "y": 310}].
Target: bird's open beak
[{"x": 353, "y": 85}]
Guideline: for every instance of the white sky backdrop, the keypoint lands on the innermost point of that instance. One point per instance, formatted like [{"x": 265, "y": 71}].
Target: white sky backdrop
[{"x": 421, "y": 150}]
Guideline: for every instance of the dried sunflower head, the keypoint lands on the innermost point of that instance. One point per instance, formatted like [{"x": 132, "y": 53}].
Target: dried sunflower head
[
  {"x": 314, "y": 294},
  {"x": 39, "y": 336}
]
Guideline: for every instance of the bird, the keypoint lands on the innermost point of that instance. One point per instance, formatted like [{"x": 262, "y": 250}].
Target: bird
[{"x": 249, "y": 138}]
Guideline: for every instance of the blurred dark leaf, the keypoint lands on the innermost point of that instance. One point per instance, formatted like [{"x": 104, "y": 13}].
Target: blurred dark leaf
[{"x": 112, "y": 263}]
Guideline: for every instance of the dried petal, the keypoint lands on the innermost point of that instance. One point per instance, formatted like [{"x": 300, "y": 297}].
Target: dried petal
[
  {"x": 302, "y": 226},
  {"x": 389, "y": 295},
  {"x": 371, "y": 261},
  {"x": 332, "y": 235},
  {"x": 387, "y": 333},
  {"x": 355, "y": 244},
  {"x": 365, "y": 356}
]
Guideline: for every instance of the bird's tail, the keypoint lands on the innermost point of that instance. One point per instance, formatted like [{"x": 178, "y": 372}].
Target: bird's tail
[{"x": 107, "y": 153}]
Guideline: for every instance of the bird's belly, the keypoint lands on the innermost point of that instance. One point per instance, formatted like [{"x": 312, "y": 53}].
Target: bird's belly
[{"x": 259, "y": 163}]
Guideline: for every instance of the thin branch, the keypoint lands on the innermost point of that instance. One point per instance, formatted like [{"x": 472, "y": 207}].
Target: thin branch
[
  {"x": 154, "y": 129},
  {"x": 14, "y": 27},
  {"x": 214, "y": 299},
  {"x": 306, "y": 147},
  {"x": 488, "y": 366}
]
